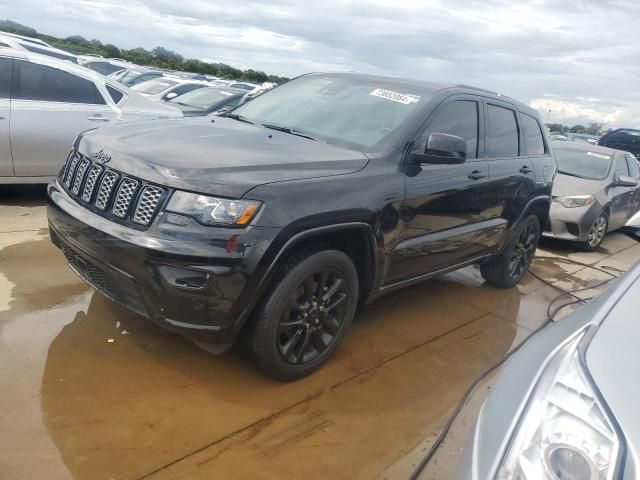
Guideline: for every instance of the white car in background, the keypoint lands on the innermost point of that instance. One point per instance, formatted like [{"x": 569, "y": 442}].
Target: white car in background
[
  {"x": 166, "y": 88},
  {"x": 45, "y": 103},
  {"x": 34, "y": 45},
  {"x": 105, "y": 66}
]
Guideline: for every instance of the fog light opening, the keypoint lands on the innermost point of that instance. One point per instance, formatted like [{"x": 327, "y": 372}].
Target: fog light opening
[{"x": 187, "y": 278}]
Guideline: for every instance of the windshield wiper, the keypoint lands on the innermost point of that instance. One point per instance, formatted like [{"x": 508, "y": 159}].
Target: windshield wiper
[
  {"x": 240, "y": 118},
  {"x": 570, "y": 174},
  {"x": 290, "y": 131}
]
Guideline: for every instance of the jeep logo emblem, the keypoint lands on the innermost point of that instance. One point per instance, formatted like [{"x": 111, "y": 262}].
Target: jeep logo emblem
[{"x": 102, "y": 156}]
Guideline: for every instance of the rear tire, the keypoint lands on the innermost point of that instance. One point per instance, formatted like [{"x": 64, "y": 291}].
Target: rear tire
[
  {"x": 512, "y": 264},
  {"x": 597, "y": 232},
  {"x": 305, "y": 315}
]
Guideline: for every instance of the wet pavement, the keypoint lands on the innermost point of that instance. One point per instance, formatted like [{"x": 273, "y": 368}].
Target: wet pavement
[{"x": 89, "y": 390}]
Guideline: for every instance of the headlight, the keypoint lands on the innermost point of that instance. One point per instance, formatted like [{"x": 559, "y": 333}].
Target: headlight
[
  {"x": 576, "y": 200},
  {"x": 565, "y": 432},
  {"x": 211, "y": 210}
]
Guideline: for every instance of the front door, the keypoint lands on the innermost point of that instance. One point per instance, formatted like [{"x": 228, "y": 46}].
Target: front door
[
  {"x": 621, "y": 196},
  {"x": 50, "y": 107},
  {"x": 444, "y": 209},
  {"x": 6, "y": 163}
]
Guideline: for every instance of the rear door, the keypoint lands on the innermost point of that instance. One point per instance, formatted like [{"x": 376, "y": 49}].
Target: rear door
[
  {"x": 634, "y": 172},
  {"x": 49, "y": 108},
  {"x": 6, "y": 163},
  {"x": 443, "y": 212},
  {"x": 511, "y": 173}
]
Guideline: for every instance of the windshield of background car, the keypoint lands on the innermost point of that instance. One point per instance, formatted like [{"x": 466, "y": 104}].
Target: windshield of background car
[
  {"x": 202, "y": 98},
  {"x": 346, "y": 112},
  {"x": 582, "y": 163},
  {"x": 153, "y": 87}
]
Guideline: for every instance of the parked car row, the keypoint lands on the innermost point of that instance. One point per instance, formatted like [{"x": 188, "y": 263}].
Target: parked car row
[{"x": 46, "y": 102}]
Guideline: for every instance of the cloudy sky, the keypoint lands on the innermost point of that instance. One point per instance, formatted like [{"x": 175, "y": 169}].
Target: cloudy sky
[{"x": 579, "y": 58}]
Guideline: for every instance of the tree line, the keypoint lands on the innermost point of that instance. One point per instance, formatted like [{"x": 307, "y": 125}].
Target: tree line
[
  {"x": 159, "y": 57},
  {"x": 592, "y": 129}
]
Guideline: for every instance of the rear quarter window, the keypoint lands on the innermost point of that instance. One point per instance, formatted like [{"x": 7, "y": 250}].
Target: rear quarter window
[
  {"x": 116, "y": 95},
  {"x": 5, "y": 77},
  {"x": 533, "y": 140}
]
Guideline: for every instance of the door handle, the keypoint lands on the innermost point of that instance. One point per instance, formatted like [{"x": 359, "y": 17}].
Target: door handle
[
  {"x": 98, "y": 118},
  {"x": 1, "y": 118},
  {"x": 476, "y": 175},
  {"x": 525, "y": 170}
]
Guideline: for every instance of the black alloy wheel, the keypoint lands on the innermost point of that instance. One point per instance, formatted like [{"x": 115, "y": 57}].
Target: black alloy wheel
[
  {"x": 305, "y": 315},
  {"x": 315, "y": 315},
  {"x": 523, "y": 251}
]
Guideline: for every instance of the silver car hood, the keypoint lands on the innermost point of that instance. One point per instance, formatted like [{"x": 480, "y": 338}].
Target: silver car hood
[
  {"x": 568, "y": 185},
  {"x": 613, "y": 359},
  {"x": 503, "y": 409}
]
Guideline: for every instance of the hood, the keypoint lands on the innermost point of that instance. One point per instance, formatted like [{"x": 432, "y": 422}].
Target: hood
[
  {"x": 568, "y": 185},
  {"x": 218, "y": 156},
  {"x": 613, "y": 358}
]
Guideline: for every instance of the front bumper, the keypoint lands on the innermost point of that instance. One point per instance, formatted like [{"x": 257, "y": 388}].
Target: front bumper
[
  {"x": 142, "y": 269},
  {"x": 571, "y": 223}
]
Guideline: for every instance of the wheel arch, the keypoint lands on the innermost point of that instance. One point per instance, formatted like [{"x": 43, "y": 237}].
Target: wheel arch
[{"x": 356, "y": 239}]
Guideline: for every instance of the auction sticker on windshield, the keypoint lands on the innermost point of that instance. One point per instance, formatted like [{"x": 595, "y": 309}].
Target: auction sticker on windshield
[{"x": 395, "y": 96}]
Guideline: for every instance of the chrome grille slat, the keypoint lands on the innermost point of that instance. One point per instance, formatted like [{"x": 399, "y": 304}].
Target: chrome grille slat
[
  {"x": 106, "y": 187},
  {"x": 79, "y": 177},
  {"x": 147, "y": 204},
  {"x": 73, "y": 163},
  {"x": 90, "y": 184},
  {"x": 126, "y": 192}
]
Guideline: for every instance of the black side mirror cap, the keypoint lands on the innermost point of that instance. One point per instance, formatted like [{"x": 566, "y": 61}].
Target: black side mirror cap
[{"x": 442, "y": 149}]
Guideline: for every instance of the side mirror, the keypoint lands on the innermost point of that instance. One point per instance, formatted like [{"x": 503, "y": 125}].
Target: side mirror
[
  {"x": 171, "y": 95},
  {"x": 625, "y": 181},
  {"x": 443, "y": 149}
]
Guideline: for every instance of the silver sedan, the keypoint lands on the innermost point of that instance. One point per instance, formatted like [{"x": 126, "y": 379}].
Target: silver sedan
[
  {"x": 45, "y": 103},
  {"x": 595, "y": 191},
  {"x": 566, "y": 405}
]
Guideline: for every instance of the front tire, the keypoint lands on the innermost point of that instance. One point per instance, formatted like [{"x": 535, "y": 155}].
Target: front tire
[
  {"x": 512, "y": 264},
  {"x": 597, "y": 231},
  {"x": 305, "y": 315}
]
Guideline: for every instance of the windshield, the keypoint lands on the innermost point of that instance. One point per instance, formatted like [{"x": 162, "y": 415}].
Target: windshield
[
  {"x": 349, "y": 112},
  {"x": 583, "y": 164},
  {"x": 202, "y": 98},
  {"x": 153, "y": 87}
]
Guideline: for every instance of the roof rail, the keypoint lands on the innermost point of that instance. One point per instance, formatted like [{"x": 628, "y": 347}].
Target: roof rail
[{"x": 462, "y": 85}]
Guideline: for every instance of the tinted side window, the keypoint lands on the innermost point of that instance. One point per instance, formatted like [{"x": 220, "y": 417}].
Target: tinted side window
[
  {"x": 5, "y": 77},
  {"x": 458, "y": 118},
  {"x": 621, "y": 166},
  {"x": 623, "y": 139},
  {"x": 39, "y": 82},
  {"x": 634, "y": 169},
  {"x": 502, "y": 134},
  {"x": 533, "y": 141},
  {"x": 116, "y": 95}
]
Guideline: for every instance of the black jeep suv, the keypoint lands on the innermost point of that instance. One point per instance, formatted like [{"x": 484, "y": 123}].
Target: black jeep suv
[{"x": 276, "y": 220}]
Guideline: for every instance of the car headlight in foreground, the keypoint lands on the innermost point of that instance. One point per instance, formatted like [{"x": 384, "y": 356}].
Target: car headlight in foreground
[
  {"x": 574, "y": 201},
  {"x": 565, "y": 432},
  {"x": 213, "y": 211}
]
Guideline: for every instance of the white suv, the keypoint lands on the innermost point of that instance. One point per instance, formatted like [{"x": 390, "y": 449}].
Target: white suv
[{"x": 45, "y": 103}]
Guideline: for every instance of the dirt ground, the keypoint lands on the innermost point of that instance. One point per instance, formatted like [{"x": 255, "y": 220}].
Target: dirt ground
[{"x": 89, "y": 390}]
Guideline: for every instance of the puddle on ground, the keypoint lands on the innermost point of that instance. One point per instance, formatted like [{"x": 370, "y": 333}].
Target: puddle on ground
[{"x": 88, "y": 401}]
